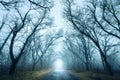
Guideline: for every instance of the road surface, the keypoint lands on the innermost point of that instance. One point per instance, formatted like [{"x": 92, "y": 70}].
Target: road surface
[{"x": 60, "y": 75}]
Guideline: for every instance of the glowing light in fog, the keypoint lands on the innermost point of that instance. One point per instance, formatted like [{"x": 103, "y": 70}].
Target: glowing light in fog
[{"x": 58, "y": 65}]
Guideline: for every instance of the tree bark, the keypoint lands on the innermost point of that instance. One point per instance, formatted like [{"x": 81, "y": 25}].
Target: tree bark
[
  {"x": 108, "y": 66},
  {"x": 13, "y": 67}
]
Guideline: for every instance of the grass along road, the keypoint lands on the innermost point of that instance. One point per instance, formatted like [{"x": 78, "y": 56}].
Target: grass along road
[
  {"x": 26, "y": 75},
  {"x": 52, "y": 75},
  {"x": 88, "y": 75}
]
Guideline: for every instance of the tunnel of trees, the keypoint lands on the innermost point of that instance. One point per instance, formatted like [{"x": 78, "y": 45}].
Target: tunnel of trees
[{"x": 88, "y": 41}]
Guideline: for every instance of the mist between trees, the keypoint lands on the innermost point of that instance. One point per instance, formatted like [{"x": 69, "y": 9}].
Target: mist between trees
[{"x": 29, "y": 40}]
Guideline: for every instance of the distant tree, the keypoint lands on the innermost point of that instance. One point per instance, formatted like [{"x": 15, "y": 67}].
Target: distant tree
[
  {"x": 41, "y": 47},
  {"x": 79, "y": 45},
  {"x": 3, "y": 24}
]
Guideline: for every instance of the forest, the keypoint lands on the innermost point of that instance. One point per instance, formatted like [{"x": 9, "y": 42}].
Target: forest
[{"x": 88, "y": 39}]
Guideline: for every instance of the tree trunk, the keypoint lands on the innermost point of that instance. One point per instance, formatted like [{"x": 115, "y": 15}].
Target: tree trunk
[
  {"x": 1, "y": 47},
  {"x": 87, "y": 66},
  {"x": 108, "y": 66},
  {"x": 13, "y": 67},
  {"x": 34, "y": 66}
]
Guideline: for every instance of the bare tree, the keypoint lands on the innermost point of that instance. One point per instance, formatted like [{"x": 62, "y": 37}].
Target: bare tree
[
  {"x": 5, "y": 38},
  {"x": 108, "y": 19},
  {"x": 21, "y": 21},
  {"x": 46, "y": 43},
  {"x": 83, "y": 22},
  {"x": 79, "y": 45},
  {"x": 39, "y": 48}
]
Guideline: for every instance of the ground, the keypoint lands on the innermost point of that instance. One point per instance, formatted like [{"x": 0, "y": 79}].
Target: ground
[
  {"x": 61, "y": 75},
  {"x": 58, "y": 75},
  {"x": 26, "y": 75},
  {"x": 89, "y": 75}
]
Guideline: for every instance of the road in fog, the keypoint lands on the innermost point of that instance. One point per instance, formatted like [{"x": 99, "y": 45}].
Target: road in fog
[{"x": 60, "y": 75}]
